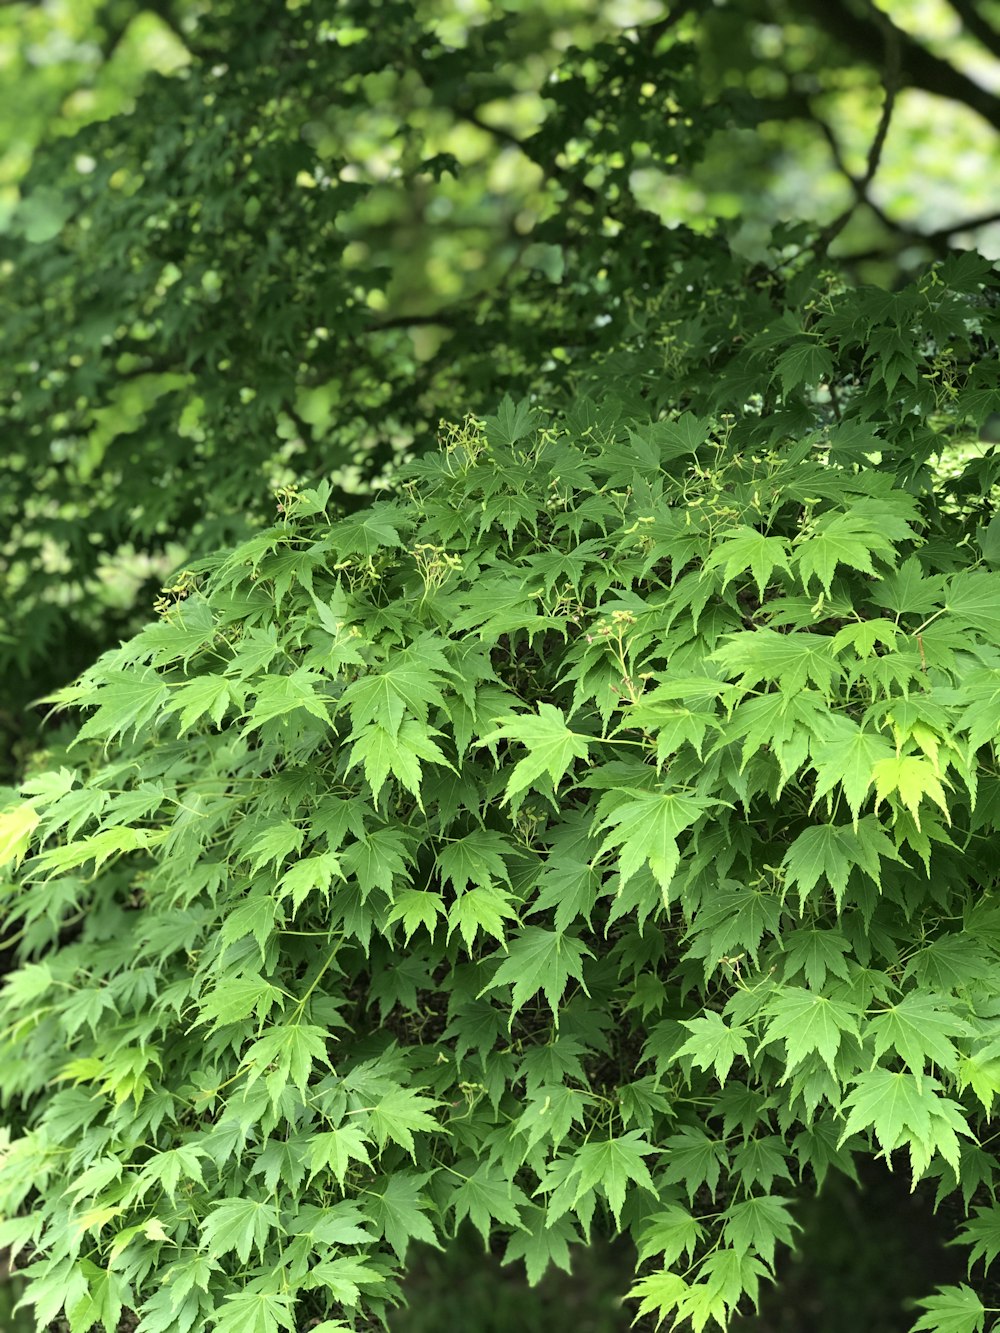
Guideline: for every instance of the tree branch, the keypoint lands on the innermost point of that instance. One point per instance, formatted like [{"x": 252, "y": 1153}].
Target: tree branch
[
  {"x": 919, "y": 68},
  {"x": 891, "y": 84},
  {"x": 974, "y": 23}
]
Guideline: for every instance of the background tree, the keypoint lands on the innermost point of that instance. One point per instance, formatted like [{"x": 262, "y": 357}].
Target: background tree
[{"x": 260, "y": 242}]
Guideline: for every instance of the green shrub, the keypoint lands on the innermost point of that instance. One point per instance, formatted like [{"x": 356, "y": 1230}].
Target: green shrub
[{"x": 596, "y": 834}]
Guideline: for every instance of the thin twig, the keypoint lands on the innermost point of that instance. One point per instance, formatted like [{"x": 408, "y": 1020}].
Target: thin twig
[{"x": 890, "y": 84}]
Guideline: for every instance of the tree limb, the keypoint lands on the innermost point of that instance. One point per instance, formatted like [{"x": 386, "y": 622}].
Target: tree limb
[
  {"x": 919, "y": 68},
  {"x": 974, "y": 23}
]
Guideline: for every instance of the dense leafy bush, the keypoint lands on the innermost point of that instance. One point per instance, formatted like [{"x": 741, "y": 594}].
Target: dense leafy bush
[{"x": 598, "y": 832}]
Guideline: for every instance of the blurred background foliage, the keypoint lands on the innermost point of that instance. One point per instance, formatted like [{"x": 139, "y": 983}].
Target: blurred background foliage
[{"x": 247, "y": 243}]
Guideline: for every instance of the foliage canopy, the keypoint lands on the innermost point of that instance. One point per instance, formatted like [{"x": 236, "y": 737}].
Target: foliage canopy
[
  {"x": 593, "y": 832},
  {"x": 596, "y": 832}
]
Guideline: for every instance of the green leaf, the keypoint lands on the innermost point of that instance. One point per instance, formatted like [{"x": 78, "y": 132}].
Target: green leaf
[
  {"x": 832, "y": 851},
  {"x": 383, "y": 753},
  {"x": 16, "y": 828},
  {"x": 368, "y": 531},
  {"x": 540, "y": 960},
  {"x": 982, "y": 1233},
  {"x": 541, "y": 1246},
  {"x": 850, "y": 758},
  {"x": 512, "y": 422},
  {"x": 659, "y": 1292},
  {"x": 486, "y": 1197},
  {"x": 804, "y": 363},
  {"x": 759, "y": 1223},
  {"x": 238, "y": 1225},
  {"x": 405, "y": 687},
  {"x": 483, "y": 910},
  {"x": 125, "y": 700},
  {"x": 645, "y": 827},
  {"x": 255, "y": 1312},
  {"x": 333, "y": 1150},
  {"x": 952, "y": 1310},
  {"x": 397, "y": 1211},
  {"x": 903, "y": 1109},
  {"x": 290, "y": 1050},
  {"x": 745, "y": 549},
  {"x": 713, "y": 1043},
  {"x": 611, "y": 1165},
  {"x": 280, "y": 695},
  {"x": 919, "y": 1030},
  {"x": 910, "y": 779},
  {"x": 551, "y": 746},
  {"x": 415, "y": 908},
  {"x": 195, "y": 698},
  {"x": 399, "y": 1114},
  {"x": 809, "y": 1022}
]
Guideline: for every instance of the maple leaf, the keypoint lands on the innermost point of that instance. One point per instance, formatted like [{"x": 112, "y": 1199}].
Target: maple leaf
[
  {"x": 759, "y": 1223},
  {"x": 383, "y": 752},
  {"x": 398, "y": 1210},
  {"x": 804, "y": 363},
  {"x": 16, "y": 828},
  {"x": 911, "y": 778},
  {"x": 919, "y": 1029},
  {"x": 745, "y": 548},
  {"x": 611, "y": 1165},
  {"x": 540, "y": 1245},
  {"x": 849, "y": 757},
  {"x": 952, "y": 1310},
  {"x": 713, "y": 1043},
  {"x": 904, "y": 1109},
  {"x": 488, "y": 1196},
  {"x": 551, "y": 745},
  {"x": 832, "y": 851},
  {"x": 540, "y": 960},
  {"x": 809, "y": 1022},
  {"x": 238, "y": 1225},
  {"x": 645, "y": 826}
]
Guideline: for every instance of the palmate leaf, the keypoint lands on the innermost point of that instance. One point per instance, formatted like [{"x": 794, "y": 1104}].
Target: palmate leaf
[
  {"x": 539, "y": 1245},
  {"x": 645, "y": 826},
  {"x": 487, "y": 1197},
  {"x": 904, "y": 1110},
  {"x": 849, "y": 757},
  {"x": 909, "y": 778},
  {"x": 759, "y": 1223},
  {"x": 831, "y": 851},
  {"x": 290, "y": 1050},
  {"x": 398, "y": 1211},
  {"x": 982, "y": 1233},
  {"x": 239, "y": 1225},
  {"x": 713, "y": 1044},
  {"x": 126, "y": 700},
  {"x": 551, "y": 746},
  {"x": 383, "y": 753},
  {"x": 724, "y": 1278},
  {"x": 256, "y": 1312},
  {"x": 540, "y": 960},
  {"x": 870, "y": 528},
  {"x": 611, "y": 1166},
  {"x": 743, "y": 550},
  {"x": 809, "y": 1022},
  {"x": 919, "y": 1030},
  {"x": 16, "y": 828},
  {"x": 952, "y": 1310},
  {"x": 333, "y": 1150},
  {"x": 368, "y": 531},
  {"x": 791, "y": 661},
  {"x": 804, "y": 363},
  {"x": 405, "y": 687}
]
